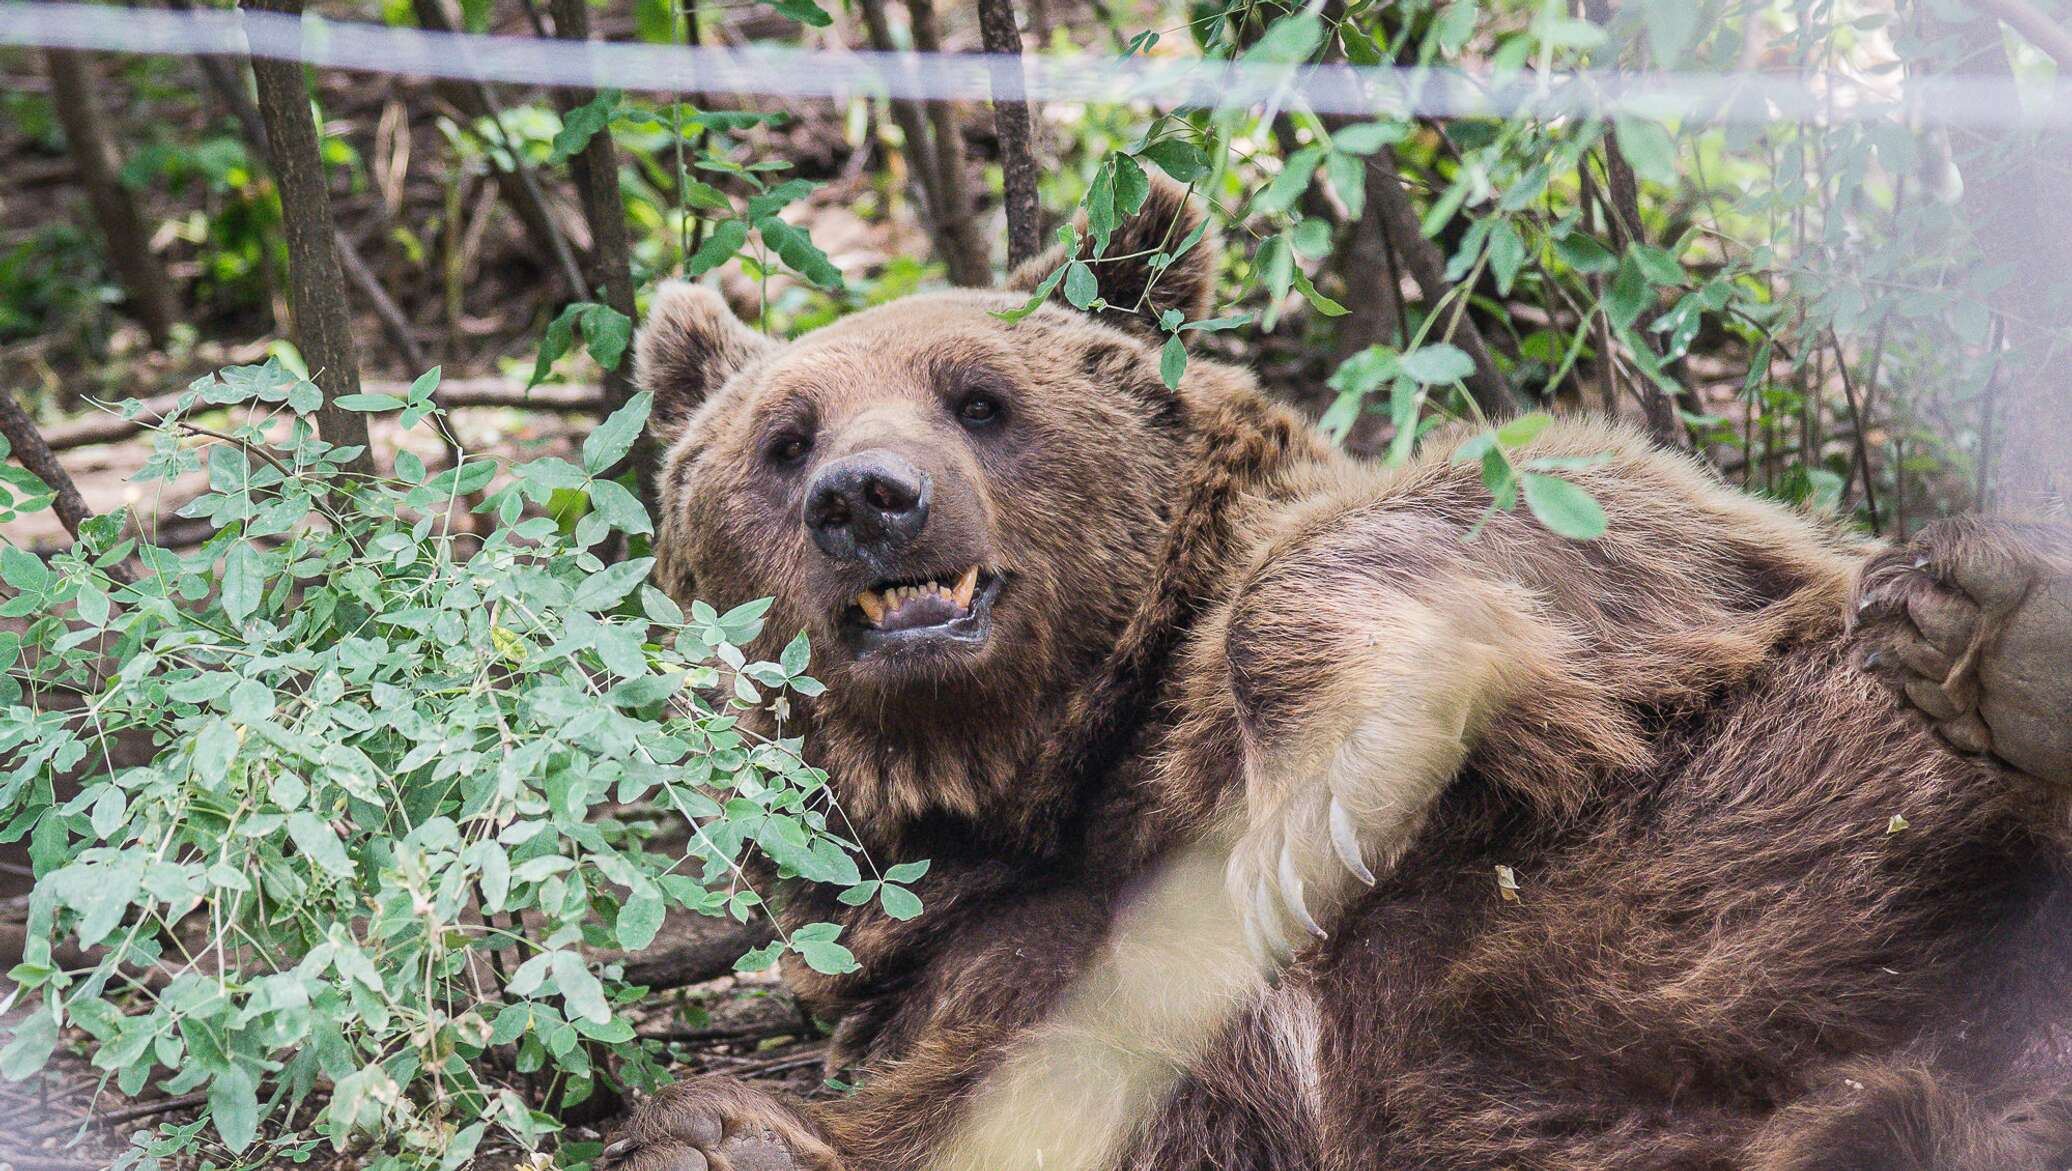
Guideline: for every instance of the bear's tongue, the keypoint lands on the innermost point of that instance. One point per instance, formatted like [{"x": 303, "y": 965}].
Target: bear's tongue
[{"x": 927, "y": 604}]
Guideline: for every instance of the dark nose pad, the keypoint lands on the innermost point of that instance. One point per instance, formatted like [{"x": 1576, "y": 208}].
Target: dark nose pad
[{"x": 865, "y": 506}]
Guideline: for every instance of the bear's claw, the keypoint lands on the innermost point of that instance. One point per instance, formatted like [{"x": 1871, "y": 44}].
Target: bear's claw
[
  {"x": 1971, "y": 624},
  {"x": 713, "y": 1124}
]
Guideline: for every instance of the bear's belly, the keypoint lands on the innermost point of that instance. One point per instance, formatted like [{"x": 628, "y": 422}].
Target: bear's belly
[{"x": 1695, "y": 952}]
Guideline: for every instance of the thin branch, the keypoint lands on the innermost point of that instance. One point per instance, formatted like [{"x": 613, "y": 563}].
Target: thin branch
[
  {"x": 1858, "y": 424},
  {"x": 1011, "y": 123},
  {"x": 453, "y": 394},
  {"x": 2036, "y": 28},
  {"x": 36, "y": 455}
]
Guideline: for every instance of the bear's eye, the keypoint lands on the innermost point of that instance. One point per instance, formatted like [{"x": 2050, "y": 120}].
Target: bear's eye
[
  {"x": 788, "y": 449},
  {"x": 978, "y": 409}
]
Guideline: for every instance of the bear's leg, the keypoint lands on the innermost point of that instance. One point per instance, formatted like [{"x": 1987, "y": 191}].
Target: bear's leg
[
  {"x": 715, "y": 1124},
  {"x": 1972, "y": 623},
  {"x": 1906, "y": 1116},
  {"x": 1360, "y": 683}
]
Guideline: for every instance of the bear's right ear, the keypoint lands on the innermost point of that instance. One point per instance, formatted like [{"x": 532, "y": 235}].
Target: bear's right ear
[
  {"x": 689, "y": 345},
  {"x": 1168, "y": 218}
]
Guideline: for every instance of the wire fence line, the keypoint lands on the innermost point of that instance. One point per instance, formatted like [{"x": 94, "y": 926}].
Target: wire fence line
[{"x": 1158, "y": 82}]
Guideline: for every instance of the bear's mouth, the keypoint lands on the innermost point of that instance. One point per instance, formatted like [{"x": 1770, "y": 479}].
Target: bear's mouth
[{"x": 946, "y": 609}]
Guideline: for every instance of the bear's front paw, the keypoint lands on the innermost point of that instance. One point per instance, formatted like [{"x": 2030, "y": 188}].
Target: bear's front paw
[
  {"x": 715, "y": 1124},
  {"x": 1971, "y": 623}
]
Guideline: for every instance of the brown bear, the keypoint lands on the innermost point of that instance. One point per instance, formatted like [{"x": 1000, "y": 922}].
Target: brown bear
[{"x": 1289, "y": 811}]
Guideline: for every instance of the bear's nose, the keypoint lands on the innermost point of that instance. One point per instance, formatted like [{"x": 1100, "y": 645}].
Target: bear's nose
[{"x": 865, "y": 506}]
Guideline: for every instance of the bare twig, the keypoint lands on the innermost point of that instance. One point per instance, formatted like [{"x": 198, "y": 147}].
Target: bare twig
[
  {"x": 73, "y": 95},
  {"x": 1011, "y": 122},
  {"x": 323, "y": 327},
  {"x": 2036, "y": 28},
  {"x": 1858, "y": 424},
  {"x": 453, "y": 394},
  {"x": 707, "y": 956}
]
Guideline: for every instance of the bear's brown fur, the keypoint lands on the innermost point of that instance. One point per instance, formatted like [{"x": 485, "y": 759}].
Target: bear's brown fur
[{"x": 1227, "y": 669}]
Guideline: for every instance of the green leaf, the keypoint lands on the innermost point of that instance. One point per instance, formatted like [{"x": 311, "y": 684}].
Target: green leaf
[
  {"x": 907, "y": 871},
  {"x": 580, "y": 989},
  {"x": 1657, "y": 264},
  {"x": 1290, "y": 40},
  {"x": 581, "y": 124},
  {"x": 639, "y": 919},
  {"x": 1293, "y": 180},
  {"x": 795, "y": 249},
  {"x": 1523, "y": 429},
  {"x": 1172, "y": 362},
  {"x": 899, "y": 902},
  {"x": 319, "y": 843},
  {"x": 426, "y": 385},
  {"x": 1648, "y": 147},
  {"x": 1132, "y": 186},
  {"x": 1434, "y": 364},
  {"x": 214, "y": 749},
  {"x": 1584, "y": 254},
  {"x": 1563, "y": 507},
  {"x": 720, "y": 246},
  {"x": 824, "y": 955},
  {"x": 1179, "y": 158},
  {"x": 1317, "y": 301},
  {"x": 34, "y": 1039},
  {"x": 244, "y": 577},
  {"x": 1081, "y": 287},
  {"x": 1628, "y": 294},
  {"x": 1368, "y": 137},
  {"x": 619, "y": 508},
  {"x": 234, "y": 1106},
  {"x": 559, "y": 336},
  {"x": 606, "y": 334},
  {"x": 803, "y": 11},
  {"x": 603, "y": 589},
  {"x": 1455, "y": 26},
  {"x": 614, "y": 437},
  {"x": 368, "y": 402}
]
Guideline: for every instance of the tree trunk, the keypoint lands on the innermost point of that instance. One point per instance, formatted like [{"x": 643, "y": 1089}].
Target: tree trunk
[
  {"x": 151, "y": 298},
  {"x": 1011, "y": 123},
  {"x": 967, "y": 255},
  {"x": 596, "y": 169},
  {"x": 1399, "y": 219},
  {"x": 922, "y": 164},
  {"x": 316, "y": 284}
]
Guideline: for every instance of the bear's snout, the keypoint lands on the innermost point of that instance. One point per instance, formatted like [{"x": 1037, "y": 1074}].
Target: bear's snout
[{"x": 868, "y": 506}]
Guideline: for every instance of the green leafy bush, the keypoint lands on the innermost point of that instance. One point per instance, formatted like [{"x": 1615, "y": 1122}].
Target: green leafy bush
[{"x": 402, "y": 771}]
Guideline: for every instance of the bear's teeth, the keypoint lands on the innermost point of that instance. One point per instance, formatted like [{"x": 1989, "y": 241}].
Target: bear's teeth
[
  {"x": 965, "y": 584},
  {"x": 872, "y": 605}
]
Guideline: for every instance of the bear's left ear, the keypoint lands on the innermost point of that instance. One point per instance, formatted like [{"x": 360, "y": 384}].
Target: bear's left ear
[
  {"x": 690, "y": 344},
  {"x": 1167, "y": 220}
]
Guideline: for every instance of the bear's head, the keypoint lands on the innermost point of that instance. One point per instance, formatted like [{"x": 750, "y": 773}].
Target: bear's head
[{"x": 960, "y": 511}]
